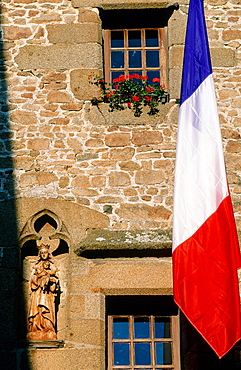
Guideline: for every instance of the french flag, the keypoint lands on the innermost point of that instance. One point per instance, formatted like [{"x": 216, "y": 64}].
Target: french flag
[{"x": 206, "y": 252}]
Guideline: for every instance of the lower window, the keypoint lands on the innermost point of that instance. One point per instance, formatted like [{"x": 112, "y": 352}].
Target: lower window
[{"x": 143, "y": 342}]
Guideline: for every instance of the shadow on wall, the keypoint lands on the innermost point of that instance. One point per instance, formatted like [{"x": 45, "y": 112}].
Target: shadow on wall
[{"x": 10, "y": 292}]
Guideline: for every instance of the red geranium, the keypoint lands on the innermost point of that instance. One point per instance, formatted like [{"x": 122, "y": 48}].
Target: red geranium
[
  {"x": 135, "y": 75},
  {"x": 144, "y": 78},
  {"x": 135, "y": 98},
  {"x": 156, "y": 79},
  {"x": 148, "y": 88}
]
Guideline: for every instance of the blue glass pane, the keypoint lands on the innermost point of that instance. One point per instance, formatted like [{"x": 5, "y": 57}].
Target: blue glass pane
[
  {"x": 141, "y": 327},
  {"x": 152, "y": 74},
  {"x": 162, "y": 327},
  {"x": 117, "y": 39},
  {"x": 142, "y": 353},
  {"x": 163, "y": 354},
  {"x": 117, "y": 59},
  {"x": 152, "y": 38},
  {"x": 121, "y": 354},
  {"x": 152, "y": 58},
  {"x": 135, "y": 59},
  {"x": 134, "y": 39},
  {"x": 115, "y": 74},
  {"x": 120, "y": 328}
]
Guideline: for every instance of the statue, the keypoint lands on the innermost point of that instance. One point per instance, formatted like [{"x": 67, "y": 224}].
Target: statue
[{"x": 44, "y": 285}]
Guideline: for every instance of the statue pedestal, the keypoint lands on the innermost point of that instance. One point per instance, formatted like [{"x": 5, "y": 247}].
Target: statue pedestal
[{"x": 42, "y": 343}]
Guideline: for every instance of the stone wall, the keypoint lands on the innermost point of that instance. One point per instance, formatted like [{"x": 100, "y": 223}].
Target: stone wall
[
  {"x": 111, "y": 172},
  {"x": 65, "y": 148}
]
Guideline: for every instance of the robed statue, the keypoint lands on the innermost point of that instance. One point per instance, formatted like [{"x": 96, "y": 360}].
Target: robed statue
[{"x": 44, "y": 285}]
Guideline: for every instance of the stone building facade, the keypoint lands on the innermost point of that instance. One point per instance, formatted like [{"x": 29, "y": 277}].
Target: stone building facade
[{"x": 97, "y": 186}]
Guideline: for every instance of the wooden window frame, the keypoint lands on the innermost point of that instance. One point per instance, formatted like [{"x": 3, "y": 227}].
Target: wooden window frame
[
  {"x": 162, "y": 55},
  {"x": 175, "y": 335}
]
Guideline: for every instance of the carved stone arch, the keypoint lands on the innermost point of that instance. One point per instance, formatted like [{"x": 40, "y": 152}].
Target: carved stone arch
[{"x": 44, "y": 227}]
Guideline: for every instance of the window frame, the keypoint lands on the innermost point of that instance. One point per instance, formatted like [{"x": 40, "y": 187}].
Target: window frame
[
  {"x": 162, "y": 36},
  {"x": 174, "y": 339}
]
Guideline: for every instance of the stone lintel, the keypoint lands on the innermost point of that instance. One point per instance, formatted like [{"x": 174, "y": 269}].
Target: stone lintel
[
  {"x": 122, "y": 4},
  {"x": 125, "y": 239}
]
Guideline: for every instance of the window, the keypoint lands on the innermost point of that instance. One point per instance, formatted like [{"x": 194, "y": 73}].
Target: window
[
  {"x": 140, "y": 341},
  {"x": 135, "y": 51}
]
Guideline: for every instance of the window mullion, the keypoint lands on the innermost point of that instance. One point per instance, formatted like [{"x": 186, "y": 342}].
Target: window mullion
[
  {"x": 126, "y": 57},
  {"x": 143, "y": 51},
  {"x": 132, "y": 341}
]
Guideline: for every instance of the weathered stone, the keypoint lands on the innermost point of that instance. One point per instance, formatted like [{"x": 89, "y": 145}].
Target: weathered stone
[
  {"x": 175, "y": 74},
  {"x": 45, "y": 178},
  {"x": 60, "y": 56},
  {"x": 53, "y": 77},
  {"x": 129, "y": 166},
  {"x": 223, "y": 57},
  {"x": 23, "y": 163},
  {"x": 119, "y": 154},
  {"x": 74, "y": 143},
  {"x": 119, "y": 179},
  {"x": 147, "y": 137},
  {"x": 28, "y": 179},
  {"x": 98, "y": 181},
  {"x": 117, "y": 139},
  {"x": 88, "y": 15},
  {"x": 76, "y": 305},
  {"x": 63, "y": 181},
  {"x": 233, "y": 147},
  {"x": 176, "y": 55},
  {"x": 74, "y": 33},
  {"x": 143, "y": 212},
  {"x": 88, "y": 331},
  {"x": 59, "y": 121},
  {"x": 150, "y": 177},
  {"x": 86, "y": 156},
  {"x": 94, "y": 143},
  {"x": 81, "y": 86},
  {"x": 81, "y": 181},
  {"x": 226, "y": 94},
  {"x": 82, "y": 358},
  {"x": 126, "y": 4},
  {"x": 59, "y": 97},
  {"x": 231, "y": 34},
  {"x": 176, "y": 28},
  {"x": 106, "y": 199},
  {"x": 15, "y": 32},
  {"x": 38, "y": 144},
  {"x": 47, "y": 17},
  {"x": 24, "y": 117}
]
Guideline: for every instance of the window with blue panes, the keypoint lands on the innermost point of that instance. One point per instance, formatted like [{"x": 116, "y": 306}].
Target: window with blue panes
[
  {"x": 131, "y": 51},
  {"x": 142, "y": 343}
]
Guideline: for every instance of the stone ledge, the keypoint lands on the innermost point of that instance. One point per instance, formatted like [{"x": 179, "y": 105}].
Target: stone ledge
[
  {"x": 100, "y": 115},
  {"x": 97, "y": 240},
  {"x": 35, "y": 344}
]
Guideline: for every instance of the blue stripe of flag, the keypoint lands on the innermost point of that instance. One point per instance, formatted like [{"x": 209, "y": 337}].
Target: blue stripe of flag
[{"x": 197, "y": 61}]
